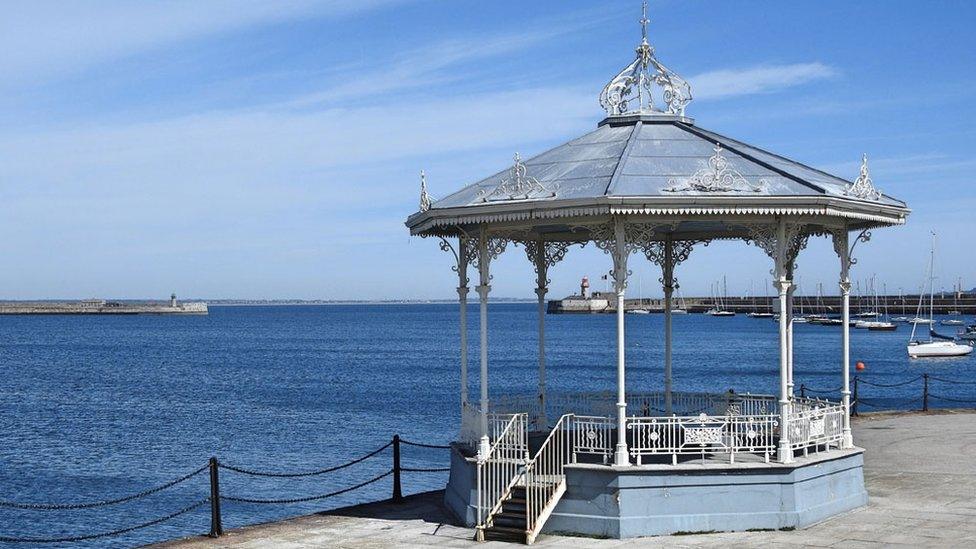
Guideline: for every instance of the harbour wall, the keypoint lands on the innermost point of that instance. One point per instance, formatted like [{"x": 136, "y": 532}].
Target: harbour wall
[
  {"x": 102, "y": 308},
  {"x": 603, "y": 302}
]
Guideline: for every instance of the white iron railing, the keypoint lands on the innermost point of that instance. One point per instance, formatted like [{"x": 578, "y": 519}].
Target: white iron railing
[
  {"x": 501, "y": 468},
  {"x": 593, "y": 435},
  {"x": 545, "y": 478},
  {"x": 702, "y": 435},
  {"x": 640, "y": 404},
  {"x": 815, "y": 425},
  {"x": 702, "y": 424}
]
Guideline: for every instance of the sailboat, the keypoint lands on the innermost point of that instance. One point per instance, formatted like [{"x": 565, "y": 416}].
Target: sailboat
[
  {"x": 639, "y": 310},
  {"x": 756, "y": 313},
  {"x": 719, "y": 309},
  {"x": 885, "y": 324},
  {"x": 682, "y": 307},
  {"x": 876, "y": 325},
  {"x": 956, "y": 290},
  {"x": 860, "y": 300},
  {"x": 937, "y": 345},
  {"x": 800, "y": 318}
]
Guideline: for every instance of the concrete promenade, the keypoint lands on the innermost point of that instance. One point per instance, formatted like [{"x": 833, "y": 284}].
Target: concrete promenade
[{"x": 920, "y": 471}]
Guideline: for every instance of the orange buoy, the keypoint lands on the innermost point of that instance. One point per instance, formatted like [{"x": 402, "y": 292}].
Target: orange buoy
[{"x": 859, "y": 366}]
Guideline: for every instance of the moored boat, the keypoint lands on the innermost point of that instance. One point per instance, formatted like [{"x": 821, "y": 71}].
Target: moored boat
[
  {"x": 937, "y": 345},
  {"x": 938, "y": 349}
]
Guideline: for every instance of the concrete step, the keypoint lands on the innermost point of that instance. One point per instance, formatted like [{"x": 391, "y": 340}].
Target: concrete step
[
  {"x": 514, "y": 520},
  {"x": 505, "y": 533}
]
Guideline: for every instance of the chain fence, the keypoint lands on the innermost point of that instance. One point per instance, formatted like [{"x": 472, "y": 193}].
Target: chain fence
[
  {"x": 877, "y": 395},
  {"x": 215, "y": 496}
]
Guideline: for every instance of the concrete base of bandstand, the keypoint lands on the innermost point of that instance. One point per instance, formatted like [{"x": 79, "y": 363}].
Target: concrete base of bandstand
[{"x": 693, "y": 497}]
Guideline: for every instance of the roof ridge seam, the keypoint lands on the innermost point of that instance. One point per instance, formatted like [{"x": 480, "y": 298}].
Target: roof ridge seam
[
  {"x": 624, "y": 155},
  {"x": 781, "y": 157},
  {"x": 766, "y": 165}
]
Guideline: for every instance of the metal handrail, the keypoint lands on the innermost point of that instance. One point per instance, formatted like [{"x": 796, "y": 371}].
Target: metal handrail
[
  {"x": 500, "y": 469},
  {"x": 545, "y": 477}
]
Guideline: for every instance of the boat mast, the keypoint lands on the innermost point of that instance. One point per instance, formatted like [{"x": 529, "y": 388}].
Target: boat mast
[{"x": 932, "y": 281}]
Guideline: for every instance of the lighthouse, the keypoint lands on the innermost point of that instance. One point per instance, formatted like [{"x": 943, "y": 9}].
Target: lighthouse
[{"x": 585, "y": 288}]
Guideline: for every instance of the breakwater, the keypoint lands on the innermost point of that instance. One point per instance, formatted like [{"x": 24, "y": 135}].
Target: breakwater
[
  {"x": 605, "y": 302},
  {"x": 102, "y": 307}
]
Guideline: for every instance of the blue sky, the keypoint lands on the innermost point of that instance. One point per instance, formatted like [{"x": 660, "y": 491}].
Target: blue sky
[{"x": 271, "y": 150}]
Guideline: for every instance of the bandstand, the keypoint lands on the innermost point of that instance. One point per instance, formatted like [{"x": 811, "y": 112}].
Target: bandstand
[{"x": 648, "y": 181}]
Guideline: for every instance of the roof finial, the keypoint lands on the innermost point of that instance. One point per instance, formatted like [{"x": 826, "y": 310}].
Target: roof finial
[
  {"x": 863, "y": 186},
  {"x": 644, "y": 21},
  {"x": 424, "y": 197},
  {"x": 634, "y": 83}
]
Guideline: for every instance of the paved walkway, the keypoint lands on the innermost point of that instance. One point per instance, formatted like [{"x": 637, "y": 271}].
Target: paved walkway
[{"x": 920, "y": 471}]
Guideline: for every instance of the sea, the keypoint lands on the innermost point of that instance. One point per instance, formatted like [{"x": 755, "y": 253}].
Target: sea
[{"x": 95, "y": 408}]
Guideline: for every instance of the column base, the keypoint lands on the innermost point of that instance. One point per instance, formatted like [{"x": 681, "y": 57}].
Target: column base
[
  {"x": 484, "y": 446},
  {"x": 621, "y": 456},
  {"x": 785, "y": 455},
  {"x": 847, "y": 441}
]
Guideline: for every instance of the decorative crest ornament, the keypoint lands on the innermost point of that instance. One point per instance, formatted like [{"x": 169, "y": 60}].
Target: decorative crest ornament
[
  {"x": 424, "y": 197},
  {"x": 517, "y": 186},
  {"x": 863, "y": 186},
  {"x": 717, "y": 176},
  {"x": 634, "y": 84}
]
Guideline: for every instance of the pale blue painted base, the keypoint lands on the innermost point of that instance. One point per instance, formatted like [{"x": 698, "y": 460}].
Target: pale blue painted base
[
  {"x": 626, "y": 502},
  {"x": 461, "y": 493}
]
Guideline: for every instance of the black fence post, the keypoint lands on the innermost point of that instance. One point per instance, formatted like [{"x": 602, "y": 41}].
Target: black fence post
[
  {"x": 216, "y": 528},
  {"x": 854, "y": 398},
  {"x": 803, "y": 391},
  {"x": 397, "y": 493},
  {"x": 925, "y": 393}
]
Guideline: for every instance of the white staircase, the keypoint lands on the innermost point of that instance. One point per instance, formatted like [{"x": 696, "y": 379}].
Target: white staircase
[{"x": 516, "y": 495}]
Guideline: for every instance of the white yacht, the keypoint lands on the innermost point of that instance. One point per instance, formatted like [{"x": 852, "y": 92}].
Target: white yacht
[{"x": 936, "y": 345}]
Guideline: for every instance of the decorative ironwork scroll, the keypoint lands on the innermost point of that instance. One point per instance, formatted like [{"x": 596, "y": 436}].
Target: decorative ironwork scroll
[
  {"x": 765, "y": 237},
  {"x": 634, "y": 84},
  {"x": 466, "y": 252},
  {"x": 494, "y": 248},
  {"x": 635, "y": 236},
  {"x": 551, "y": 253},
  {"x": 518, "y": 186},
  {"x": 654, "y": 251},
  {"x": 863, "y": 186},
  {"x": 716, "y": 176}
]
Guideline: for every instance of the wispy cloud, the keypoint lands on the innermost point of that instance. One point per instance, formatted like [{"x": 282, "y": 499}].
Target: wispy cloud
[
  {"x": 724, "y": 83},
  {"x": 41, "y": 38},
  {"x": 434, "y": 66}
]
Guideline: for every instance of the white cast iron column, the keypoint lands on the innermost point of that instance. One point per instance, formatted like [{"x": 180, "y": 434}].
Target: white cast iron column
[
  {"x": 789, "y": 332},
  {"x": 620, "y": 254},
  {"x": 785, "y": 454},
  {"x": 462, "y": 291},
  {"x": 668, "y": 278},
  {"x": 483, "y": 288},
  {"x": 841, "y": 247},
  {"x": 541, "y": 290}
]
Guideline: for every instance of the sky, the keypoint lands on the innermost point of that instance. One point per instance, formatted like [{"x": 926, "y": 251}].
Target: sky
[{"x": 244, "y": 149}]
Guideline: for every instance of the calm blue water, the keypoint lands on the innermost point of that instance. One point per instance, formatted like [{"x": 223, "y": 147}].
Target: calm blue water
[{"x": 97, "y": 407}]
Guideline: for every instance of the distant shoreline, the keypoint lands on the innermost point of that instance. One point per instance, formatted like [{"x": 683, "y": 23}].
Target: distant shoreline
[
  {"x": 258, "y": 303},
  {"x": 219, "y": 303}
]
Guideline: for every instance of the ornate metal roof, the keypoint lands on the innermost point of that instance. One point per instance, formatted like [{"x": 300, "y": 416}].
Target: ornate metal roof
[{"x": 642, "y": 160}]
